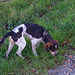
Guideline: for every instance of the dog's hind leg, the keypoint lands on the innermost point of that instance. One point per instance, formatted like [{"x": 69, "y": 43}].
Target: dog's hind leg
[
  {"x": 11, "y": 44},
  {"x": 21, "y": 43}
]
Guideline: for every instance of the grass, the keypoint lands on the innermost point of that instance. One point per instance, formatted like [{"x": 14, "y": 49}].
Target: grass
[{"x": 58, "y": 18}]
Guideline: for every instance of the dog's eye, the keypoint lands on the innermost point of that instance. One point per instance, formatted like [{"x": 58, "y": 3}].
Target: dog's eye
[
  {"x": 56, "y": 46},
  {"x": 50, "y": 47}
]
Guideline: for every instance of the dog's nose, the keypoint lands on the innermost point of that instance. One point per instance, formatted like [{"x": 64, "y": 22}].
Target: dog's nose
[{"x": 56, "y": 53}]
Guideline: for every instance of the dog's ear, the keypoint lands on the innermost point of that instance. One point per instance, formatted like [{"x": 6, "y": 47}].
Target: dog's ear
[
  {"x": 47, "y": 46},
  {"x": 57, "y": 42}
]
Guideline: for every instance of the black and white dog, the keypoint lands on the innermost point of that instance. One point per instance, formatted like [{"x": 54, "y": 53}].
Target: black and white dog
[{"x": 35, "y": 33}]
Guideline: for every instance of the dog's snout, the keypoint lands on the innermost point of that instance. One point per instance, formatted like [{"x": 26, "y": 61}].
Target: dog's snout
[{"x": 54, "y": 53}]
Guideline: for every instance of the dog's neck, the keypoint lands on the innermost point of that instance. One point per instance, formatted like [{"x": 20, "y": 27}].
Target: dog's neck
[{"x": 47, "y": 37}]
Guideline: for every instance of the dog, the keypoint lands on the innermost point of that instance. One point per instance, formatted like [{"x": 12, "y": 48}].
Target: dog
[{"x": 35, "y": 33}]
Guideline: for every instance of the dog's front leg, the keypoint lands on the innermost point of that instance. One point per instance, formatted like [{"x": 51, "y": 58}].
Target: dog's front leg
[
  {"x": 34, "y": 50},
  {"x": 34, "y": 47}
]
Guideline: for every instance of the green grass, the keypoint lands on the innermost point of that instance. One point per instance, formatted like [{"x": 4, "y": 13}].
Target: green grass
[{"x": 58, "y": 18}]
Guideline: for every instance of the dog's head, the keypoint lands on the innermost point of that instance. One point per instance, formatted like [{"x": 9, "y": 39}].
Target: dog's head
[{"x": 52, "y": 47}]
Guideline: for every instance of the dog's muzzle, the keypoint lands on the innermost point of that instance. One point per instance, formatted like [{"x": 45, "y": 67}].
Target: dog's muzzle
[{"x": 53, "y": 53}]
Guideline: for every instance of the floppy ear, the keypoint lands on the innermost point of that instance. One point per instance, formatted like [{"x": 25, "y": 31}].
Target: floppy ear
[
  {"x": 57, "y": 42},
  {"x": 47, "y": 46}
]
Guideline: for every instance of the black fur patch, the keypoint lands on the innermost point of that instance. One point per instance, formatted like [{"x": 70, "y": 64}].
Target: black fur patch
[
  {"x": 15, "y": 36},
  {"x": 35, "y": 30},
  {"x": 47, "y": 38},
  {"x": 5, "y": 36}
]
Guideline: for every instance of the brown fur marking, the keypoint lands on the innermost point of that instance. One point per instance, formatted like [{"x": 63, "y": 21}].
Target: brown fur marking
[{"x": 47, "y": 45}]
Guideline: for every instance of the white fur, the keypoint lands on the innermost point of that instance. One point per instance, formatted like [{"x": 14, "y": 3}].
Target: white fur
[
  {"x": 16, "y": 28},
  {"x": 21, "y": 43},
  {"x": 55, "y": 46}
]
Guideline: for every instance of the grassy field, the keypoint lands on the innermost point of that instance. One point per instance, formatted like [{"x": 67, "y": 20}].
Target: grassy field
[{"x": 58, "y": 18}]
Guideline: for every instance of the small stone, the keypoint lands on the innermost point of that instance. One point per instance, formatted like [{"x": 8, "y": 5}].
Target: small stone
[
  {"x": 73, "y": 66},
  {"x": 67, "y": 61},
  {"x": 70, "y": 70},
  {"x": 70, "y": 56},
  {"x": 67, "y": 74},
  {"x": 59, "y": 71},
  {"x": 65, "y": 65}
]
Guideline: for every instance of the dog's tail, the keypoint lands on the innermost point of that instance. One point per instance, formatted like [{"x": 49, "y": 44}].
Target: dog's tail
[{"x": 5, "y": 36}]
